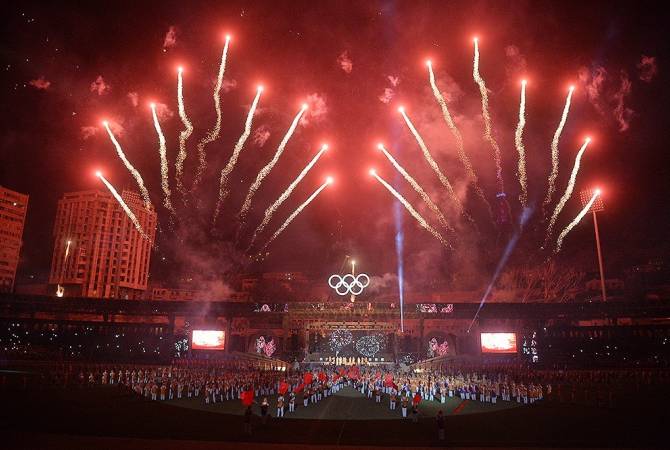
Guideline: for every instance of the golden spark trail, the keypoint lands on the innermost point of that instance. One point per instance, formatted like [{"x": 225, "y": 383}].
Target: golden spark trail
[
  {"x": 568, "y": 191},
  {"x": 67, "y": 252},
  {"x": 576, "y": 220},
  {"x": 223, "y": 191},
  {"x": 60, "y": 290},
  {"x": 134, "y": 172},
  {"x": 417, "y": 187},
  {"x": 554, "y": 151},
  {"x": 123, "y": 204},
  {"x": 183, "y": 135},
  {"x": 213, "y": 134},
  {"x": 162, "y": 151},
  {"x": 297, "y": 211},
  {"x": 433, "y": 164},
  {"x": 488, "y": 133},
  {"x": 414, "y": 213},
  {"x": 268, "y": 167},
  {"x": 518, "y": 141},
  {"x": 285, "y": 195},
  {"x": 457, "y": 135}
]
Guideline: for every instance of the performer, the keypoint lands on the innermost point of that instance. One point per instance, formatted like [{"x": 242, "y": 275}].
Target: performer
[
  {"x": 393, "y": 400},
  {"x": 280, "y": 406},
  {"x": 404, "y": 401},
  {"x": 291, "y": 402}
]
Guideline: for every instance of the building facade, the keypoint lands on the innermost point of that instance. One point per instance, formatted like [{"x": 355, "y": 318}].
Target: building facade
[
  {"x": 97, "y": 250},
  {"x": 13, "y": 206}
]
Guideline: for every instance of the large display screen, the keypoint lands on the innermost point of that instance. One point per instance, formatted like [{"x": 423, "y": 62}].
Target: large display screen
[
  {"x": 498, "y": 343},
  {"x": 208, "y": 339}
]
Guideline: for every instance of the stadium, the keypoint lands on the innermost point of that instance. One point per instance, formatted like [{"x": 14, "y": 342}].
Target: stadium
[{"x": 352, "y": 225}]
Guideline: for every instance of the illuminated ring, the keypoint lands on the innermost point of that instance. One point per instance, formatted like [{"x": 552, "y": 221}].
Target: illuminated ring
[{"x": 349, "y": 284}]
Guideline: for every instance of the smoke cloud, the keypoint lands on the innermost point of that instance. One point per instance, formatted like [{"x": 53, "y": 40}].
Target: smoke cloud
[
  {"x": 316, "y": 109},
  {"x": 647, "y": 68},
  {"x": 345, "y": 62},
  {"x": 99, "y": 86},
  {"x": 170, "y": 38},
  {"x": 40, "y": 83}
]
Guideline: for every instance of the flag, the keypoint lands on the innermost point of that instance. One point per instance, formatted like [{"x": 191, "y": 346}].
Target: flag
[
  {"x": 283, "y": 387},
  {"x": 248, "y": 398}
]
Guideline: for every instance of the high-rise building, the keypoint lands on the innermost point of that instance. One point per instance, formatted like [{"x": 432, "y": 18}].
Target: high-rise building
[
  {"x": 98, "y": 252},
  {"x": 13, "y": 208}
]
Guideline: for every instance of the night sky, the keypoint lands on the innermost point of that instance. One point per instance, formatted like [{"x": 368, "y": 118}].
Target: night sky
[{"x": 65, "y": 68}]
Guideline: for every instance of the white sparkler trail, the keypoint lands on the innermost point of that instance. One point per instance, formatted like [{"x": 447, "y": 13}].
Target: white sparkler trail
[
  {"x": 488, "y": 133},
  {"x": 223, "y": 191},
  {"x": 554, "y": 152},
  {"x": 285, "y": 195},
  {"x": 417, "y": 187},
  {"x": 162, "y": 150},
  {"x": 413, "y": 212},
  {"x": 518, "y": 141},
  {"x": 433, "y": 164},
  {"x": 134, "y": 172},
  {"x": 183, "y": 135},
  {"x": 576, "y": 220},
  {"x": 457, "y": 135},
  {"x": 568, "y": 191},
  {"x": 268, "y": 167},
  {"x": 126, "y": 208},
  {"x": 213, "y": 134},
  {"x": 296, "y": 212}
]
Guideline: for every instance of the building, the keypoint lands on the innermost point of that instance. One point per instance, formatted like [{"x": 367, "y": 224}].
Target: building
[
  {"x": 13, "y": 208},
  {"x": 97, "y": 250}
]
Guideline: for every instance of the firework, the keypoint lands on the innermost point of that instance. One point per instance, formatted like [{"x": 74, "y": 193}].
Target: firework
[
  {"x": 414, "y": 213},
  {"x": 417, "y": 187},
  {"x": 339, "y": 339},
  {"x": 183, "y": 135},
  {"x": 162, "y": 150},
  {"x": 223, "y": 191},
  {"x": 568, "y": 190},
  {"x": 554, "y": 151},
  {"x": 488, "y": 132},
  {"x": 433, "y": 164},
  {"x": 285, "y": 195},
  {"x": 268, "y": 167},
  {"x": 368, "y": 346},
  {"x": 67, "y": 252},
  {"x": 580, "y": 216},
  {"x": 213, "y": 134},
  {"x": 297, "y": 211},
  {"x": 457, "y": 135},
  {"x": 60, "y": 290},
  {"x": 518, "y": 142},
  {"x": 123, "y": 204},
  {"x": 134, "y": 172}
]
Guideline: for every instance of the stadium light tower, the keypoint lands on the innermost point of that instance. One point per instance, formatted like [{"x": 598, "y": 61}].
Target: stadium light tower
[{"x": 598, "y": 205}]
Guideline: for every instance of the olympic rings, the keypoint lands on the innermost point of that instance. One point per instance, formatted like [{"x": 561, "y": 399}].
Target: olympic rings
[{"x": 349, "y": 284}]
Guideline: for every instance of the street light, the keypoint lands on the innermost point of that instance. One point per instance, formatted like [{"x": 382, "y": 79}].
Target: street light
[{"x": 598, "y": 205}]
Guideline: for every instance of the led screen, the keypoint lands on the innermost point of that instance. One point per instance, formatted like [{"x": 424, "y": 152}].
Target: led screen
[
  {"x": 208, "y": 339},
  {"x": 498, "y": 342}
]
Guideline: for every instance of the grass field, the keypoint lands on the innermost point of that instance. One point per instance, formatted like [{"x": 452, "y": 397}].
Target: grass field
[{"x": 347, "y": 404}]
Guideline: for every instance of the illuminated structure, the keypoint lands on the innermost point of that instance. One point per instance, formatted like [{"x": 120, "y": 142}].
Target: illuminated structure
[
  {"x": 597, "y": 206},
  {"x": 98, "y": 252},
  {"x": 12, "y": 218}
]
